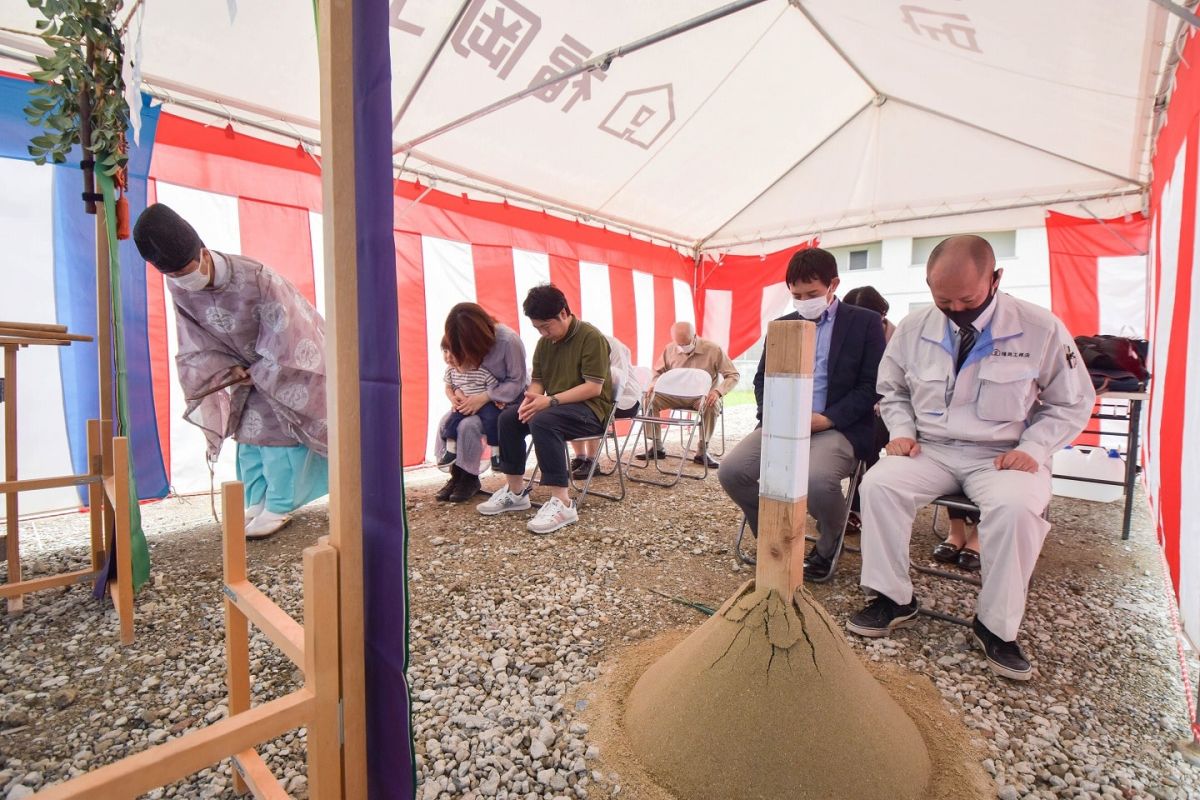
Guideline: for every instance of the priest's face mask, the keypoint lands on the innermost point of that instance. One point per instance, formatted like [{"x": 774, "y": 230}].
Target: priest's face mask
[{"x": 196, "y": 275}]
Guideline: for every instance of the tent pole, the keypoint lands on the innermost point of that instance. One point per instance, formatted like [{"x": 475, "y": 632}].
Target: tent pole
[
  {"x": 1179, "y": 11},
  {"x": 342, "y": 359},
  {"x": 862, "y": 76},
  {"x": 437, "y": 51},
  {"x": 599, "y": 62},
  {"x": 876, "y": 100},
  {"x": 1113, "y": 231}
]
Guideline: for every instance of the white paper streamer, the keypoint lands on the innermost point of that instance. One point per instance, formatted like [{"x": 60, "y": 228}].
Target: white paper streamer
[
  {"x": 131, "y": 72},
  {"x": 787, "y": 426}
]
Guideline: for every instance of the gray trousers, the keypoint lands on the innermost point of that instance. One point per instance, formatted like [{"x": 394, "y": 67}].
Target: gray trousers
[{"x": 831, "y": 460}]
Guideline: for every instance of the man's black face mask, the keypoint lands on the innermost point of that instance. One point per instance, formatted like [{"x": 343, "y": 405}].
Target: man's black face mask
[{"x": 967, "y": 316}]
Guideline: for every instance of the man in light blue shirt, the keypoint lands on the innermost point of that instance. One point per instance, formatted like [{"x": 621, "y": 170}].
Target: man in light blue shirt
[{"x": 849, "y": 347}]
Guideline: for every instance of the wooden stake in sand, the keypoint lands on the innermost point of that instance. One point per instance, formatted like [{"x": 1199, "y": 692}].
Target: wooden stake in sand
[{"x": 766, "y": 699}]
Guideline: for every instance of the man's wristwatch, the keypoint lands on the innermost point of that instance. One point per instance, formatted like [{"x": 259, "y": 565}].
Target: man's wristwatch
[{"x": 553, "y": 401}]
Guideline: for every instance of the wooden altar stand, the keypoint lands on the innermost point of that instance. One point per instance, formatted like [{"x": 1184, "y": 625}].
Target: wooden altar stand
[{"x": 107, "y": 480}]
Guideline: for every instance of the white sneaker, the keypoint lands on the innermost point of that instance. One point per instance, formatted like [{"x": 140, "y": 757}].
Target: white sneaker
[
  {"x": 266, "y": 524},
  {"x": 553, "y": 514},
  {"x": 253, "y": 511},
  {"x": 501, "y": 501}
]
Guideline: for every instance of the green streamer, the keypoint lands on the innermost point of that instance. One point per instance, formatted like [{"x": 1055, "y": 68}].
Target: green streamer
[{"x": 139, "y": 551}]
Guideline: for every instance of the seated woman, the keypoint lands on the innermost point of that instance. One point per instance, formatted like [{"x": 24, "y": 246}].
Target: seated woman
[{"x": 477, "y": 341}]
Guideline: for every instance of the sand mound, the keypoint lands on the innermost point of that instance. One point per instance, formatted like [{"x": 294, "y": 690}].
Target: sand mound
[{"x": 766, "y": 700}]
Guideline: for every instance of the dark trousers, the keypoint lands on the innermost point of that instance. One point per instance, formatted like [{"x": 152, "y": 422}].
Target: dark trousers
[
  {"x": 550, "y": 430},
  {"x": 489, "y": 415}
]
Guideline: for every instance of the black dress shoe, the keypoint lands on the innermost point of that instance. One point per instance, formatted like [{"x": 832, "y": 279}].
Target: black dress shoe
[
  {"x": 658, "y": 454},
  {"x": 580, "y": 468},
  {"x": 443, "y": 494},
  {"x": 467, "y": 487},
  {"x": 1005, "y": 658},
  {"x": 817, "y": 568},
  {"x": 968, "y": 559},
  {"x": 946, "y": 553},
  {"x": 700, "y": 458}
]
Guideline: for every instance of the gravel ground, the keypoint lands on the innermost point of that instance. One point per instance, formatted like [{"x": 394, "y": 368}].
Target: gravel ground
[{"x": 509, "y": 631}]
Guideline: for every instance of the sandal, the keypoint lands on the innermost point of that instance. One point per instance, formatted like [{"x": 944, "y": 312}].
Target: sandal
[
  {"x": 968, "y": 559},
  {"x": 946, "y": 553}
]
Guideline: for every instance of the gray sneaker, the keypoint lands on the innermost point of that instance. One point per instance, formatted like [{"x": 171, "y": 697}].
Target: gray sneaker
[{"x": 501, "y": 501}]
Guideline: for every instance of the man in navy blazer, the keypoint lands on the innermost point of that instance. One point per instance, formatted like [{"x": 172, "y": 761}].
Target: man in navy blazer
[{"x": 849, "y": 349}]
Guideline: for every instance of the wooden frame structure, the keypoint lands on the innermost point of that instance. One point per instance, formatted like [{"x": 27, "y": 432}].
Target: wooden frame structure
[
  {"x": 107, "y": 480},
  {"x": 329, "y": 647},
  {"x": 313, "y": 647}
]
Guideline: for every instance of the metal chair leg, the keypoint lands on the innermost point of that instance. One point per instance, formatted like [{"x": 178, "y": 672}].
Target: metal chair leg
[{"x": 748, "y": 560}]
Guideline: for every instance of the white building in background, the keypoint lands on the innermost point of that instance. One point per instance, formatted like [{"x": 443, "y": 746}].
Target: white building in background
[{"x": 896, "y": 268}]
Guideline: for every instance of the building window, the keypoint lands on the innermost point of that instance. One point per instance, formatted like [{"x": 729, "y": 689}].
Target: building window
[
  {"x": 858, "y": 257},
  {"x": 1004, "y": 243}
]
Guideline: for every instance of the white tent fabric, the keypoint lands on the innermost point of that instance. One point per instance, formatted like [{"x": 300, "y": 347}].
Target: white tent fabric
[{"x": 781, "y": 121}]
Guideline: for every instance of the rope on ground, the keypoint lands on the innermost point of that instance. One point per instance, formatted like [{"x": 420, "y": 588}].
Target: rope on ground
[
  {"x": 703, "y": 609},
  {"x": 1189, "y": 698}
]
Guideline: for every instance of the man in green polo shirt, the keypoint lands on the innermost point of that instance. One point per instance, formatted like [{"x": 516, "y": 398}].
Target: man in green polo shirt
[{"x": 570, "y": 396}]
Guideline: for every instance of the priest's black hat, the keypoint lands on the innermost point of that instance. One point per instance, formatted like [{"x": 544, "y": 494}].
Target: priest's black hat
[{"x": 165, "y": 239}]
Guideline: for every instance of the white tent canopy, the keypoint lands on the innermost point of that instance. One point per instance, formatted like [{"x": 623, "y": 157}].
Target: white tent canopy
[{"x": 774, "y": 122}]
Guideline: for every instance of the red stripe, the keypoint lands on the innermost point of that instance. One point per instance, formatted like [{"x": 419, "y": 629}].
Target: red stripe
[
  {"x": 564, "y": 273},
  {"x": 495, "y": 283},
  {"x": 624, "y": 308},
  {"x": 156, "y": 334},
  {"x": 414, "y": 358},
  {"x": 279, "y": 236},
  {"x": 1172, "y": 387}
]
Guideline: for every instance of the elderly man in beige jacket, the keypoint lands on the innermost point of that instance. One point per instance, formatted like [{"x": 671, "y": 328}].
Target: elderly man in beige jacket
[{"x": 689, "y": 350}]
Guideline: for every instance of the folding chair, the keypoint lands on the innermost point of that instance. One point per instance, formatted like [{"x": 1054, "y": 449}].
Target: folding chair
[
  {"x": 959, "y": 502},
  {"x": 610, "y": 432},
  {"x": 684, "y": 382},
  {"x": 856, "y": 474}
]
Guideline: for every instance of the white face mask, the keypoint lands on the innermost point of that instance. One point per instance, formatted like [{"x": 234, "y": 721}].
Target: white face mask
[
  {"x": 812, "y": 308},
  {"x": 686, "y": 348},
  {"x": 192, "y": 282}
]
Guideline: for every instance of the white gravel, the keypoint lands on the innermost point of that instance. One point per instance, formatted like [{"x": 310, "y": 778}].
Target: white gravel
[{"x": 507, "y": 631}]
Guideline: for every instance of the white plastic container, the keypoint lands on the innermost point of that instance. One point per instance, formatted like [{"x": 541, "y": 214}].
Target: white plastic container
[{"x": 1089, "y": 462}]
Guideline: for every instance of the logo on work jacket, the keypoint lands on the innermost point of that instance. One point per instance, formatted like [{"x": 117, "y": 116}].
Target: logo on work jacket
[{"x": 1009, "y": 354}]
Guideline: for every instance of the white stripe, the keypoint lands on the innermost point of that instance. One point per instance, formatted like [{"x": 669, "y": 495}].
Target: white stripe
[
  {"x": 1121, "y": 292},
  {"x": 595, "y": 291},
  {"x": 1189, "y": 466},
  {"x": 529, "y": 270},
  {"x": 776, "y": 301},
  {"x": 27, "y": 275},
  {"x": 718, "y": 316},
  {"x": 685, "y": 307},
  {"x": 1171, "y": 209},
  {"x": 643, "y": 303},
  {"x": 787, "y": 414},
  {"x": 449, "y": 280},
  {"x": 1121, "y": 295},
  {"x": 316, "y": 234},
  {"x": 215, "y": 218}
]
